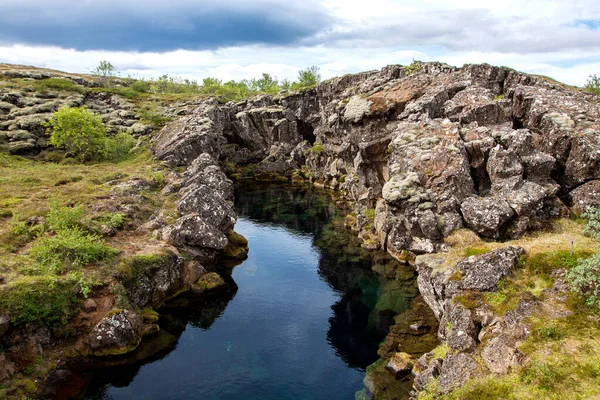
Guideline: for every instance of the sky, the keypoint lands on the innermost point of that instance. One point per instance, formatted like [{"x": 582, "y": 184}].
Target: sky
[{"x": 239, "y": 39}]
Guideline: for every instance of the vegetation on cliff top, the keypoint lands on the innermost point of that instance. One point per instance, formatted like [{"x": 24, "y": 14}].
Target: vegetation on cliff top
[{"x": 166, "y": 85}]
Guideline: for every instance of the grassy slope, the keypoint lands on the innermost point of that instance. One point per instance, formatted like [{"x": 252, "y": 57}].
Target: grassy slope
[{"x": 562, "y": 350}]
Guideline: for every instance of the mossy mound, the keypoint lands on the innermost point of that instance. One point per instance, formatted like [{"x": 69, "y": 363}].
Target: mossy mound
[{"x": 210, "y": 283}]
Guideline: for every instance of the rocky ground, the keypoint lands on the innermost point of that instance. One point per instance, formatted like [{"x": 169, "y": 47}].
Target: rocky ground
[{"x": 470, "y": 174}]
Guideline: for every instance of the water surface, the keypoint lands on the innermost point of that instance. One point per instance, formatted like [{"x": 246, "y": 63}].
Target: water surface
[{"x": 304, "y": 323}]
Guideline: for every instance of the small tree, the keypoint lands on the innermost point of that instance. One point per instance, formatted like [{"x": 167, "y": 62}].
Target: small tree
[
  {"x": 266, "y": 84},
  {"x": 106, "y": 71},
  {"x": 593, "y": 84},
  {"x": 309, "y": 77},
  {"x": 77, "y": 130}
]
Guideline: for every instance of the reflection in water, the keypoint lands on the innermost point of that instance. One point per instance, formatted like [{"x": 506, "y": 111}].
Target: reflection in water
[{"x": 304, "y": 323}]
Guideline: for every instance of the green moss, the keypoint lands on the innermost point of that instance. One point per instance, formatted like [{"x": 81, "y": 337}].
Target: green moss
[
  {"x": 369, "y": 214},
  {"x": 441, "y": 351},
  {"x": 544, "y": 263},
  {"x": 46, "y": 299},
  {"x": 469, "y": 299},
  {"x": 375, "y": 365},
  {"x": 132, "y": 267},
  {"x": 316, "y": 149},
  {"x": 474, "y": 251},
  {"x": 499, "y": 97},
  {"x": 57, "y": 84}
]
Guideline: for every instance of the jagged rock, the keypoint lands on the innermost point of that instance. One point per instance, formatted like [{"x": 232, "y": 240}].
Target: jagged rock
[
  {"x": 400, "y": 365},
  {"x": 455, "y": 371},
  {"x": 192, "y": 230},
  {"x": 119, "y": 332},
  {"x": 424, "y": 378},
  {"x": 205, "y": 171},
  {"x": 482, "y": 272},
  {"x": 500, "y": 354},
  {"x": 159, "y": 274},
  {"x": 213, "y": 209},
  {"x": 457, "y": 327},
  {"x": 139, "y": 129},
  {"x": 586, "y": 195},
  {"x": 486, "y": 216}
]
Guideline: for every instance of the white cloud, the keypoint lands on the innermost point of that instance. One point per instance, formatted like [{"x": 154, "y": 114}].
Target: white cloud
[{"x": 537, "y": 36}]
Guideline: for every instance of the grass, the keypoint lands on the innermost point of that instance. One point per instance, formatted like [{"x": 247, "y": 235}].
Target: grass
[
  {"x": 562, "y": 347},
  {"x": 47, "y": 264},
  {"x": 57, "y": 84}
]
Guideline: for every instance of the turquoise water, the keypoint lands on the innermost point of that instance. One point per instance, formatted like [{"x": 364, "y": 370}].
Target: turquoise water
[{"x": 302, "y": 324}]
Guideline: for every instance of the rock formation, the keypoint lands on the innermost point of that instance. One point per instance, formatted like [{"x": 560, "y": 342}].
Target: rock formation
[{"x": 419, "y": 154}]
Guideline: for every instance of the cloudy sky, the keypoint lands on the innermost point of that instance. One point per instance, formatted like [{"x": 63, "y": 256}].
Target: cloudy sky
[{"x": 235, "y": 39}]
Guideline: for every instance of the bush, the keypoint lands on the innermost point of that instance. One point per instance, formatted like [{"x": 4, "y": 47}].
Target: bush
[
  {"x": 592, "y": 215},
  {"x": 77, "y": 130},
  {"x": 585, "y": 279},
  {"x": 70, "y": 249},
  {"x": 307, "y": 78},
  {"x": 118, "y": 147},
  {"x": 593, "y": 84},
  {"x": 140, "y": 86},
  {"x": 62, "y": 217},
  {"x": 106, "y": 72}
]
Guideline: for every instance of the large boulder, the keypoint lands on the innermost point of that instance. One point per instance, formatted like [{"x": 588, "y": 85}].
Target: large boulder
[
  {"x": 119, "y": 332},
  {"x": 486, "y": 216}
]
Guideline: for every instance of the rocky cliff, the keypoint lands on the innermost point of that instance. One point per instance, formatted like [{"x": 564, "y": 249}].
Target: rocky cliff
[{"x": 420, "y": 154}]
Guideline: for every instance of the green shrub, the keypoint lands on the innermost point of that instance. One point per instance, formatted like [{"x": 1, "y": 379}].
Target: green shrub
[
  {"x": 106, "y": 72},
  {"x": 592, "y": 214},
  {"x": 45, "y": 299},
  {"x": 585, "y": 279},
  {"x": 593, "y": 84},
  {"x": 140, "y": 86},
  {"x": 413, "y": 68},
  {"x": 62, "y": 217},
  {"x": 308, "y": 77},
  {"x": 70, "y": 249},
  {"x": 114, "y": 220},
  {"x": 77, "y": 130},
  {"x": 118, "y": 148}
]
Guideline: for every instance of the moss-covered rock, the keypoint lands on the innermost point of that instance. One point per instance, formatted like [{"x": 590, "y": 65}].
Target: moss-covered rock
[
  {"x": 237, "y": 246},
  {"x": 211, "y": 283}
]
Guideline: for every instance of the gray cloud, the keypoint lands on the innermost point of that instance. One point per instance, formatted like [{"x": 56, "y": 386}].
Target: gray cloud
[{"x": 132, "y": 25}]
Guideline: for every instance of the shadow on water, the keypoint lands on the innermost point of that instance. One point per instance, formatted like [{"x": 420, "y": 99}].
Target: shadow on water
[{"x": 362, "y": 305}]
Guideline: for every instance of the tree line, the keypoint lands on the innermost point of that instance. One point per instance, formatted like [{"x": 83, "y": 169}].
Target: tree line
[{"x": 229, "y": 90}]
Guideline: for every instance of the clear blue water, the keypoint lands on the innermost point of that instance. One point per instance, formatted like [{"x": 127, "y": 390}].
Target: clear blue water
[{"x": 301, "y": 324}]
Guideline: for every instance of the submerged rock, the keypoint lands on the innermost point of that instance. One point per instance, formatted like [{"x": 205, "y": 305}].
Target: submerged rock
[{"x": 210, "y": 283}]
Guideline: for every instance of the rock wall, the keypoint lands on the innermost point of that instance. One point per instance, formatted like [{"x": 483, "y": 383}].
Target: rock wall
[{"x": 420, "y": 155}]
